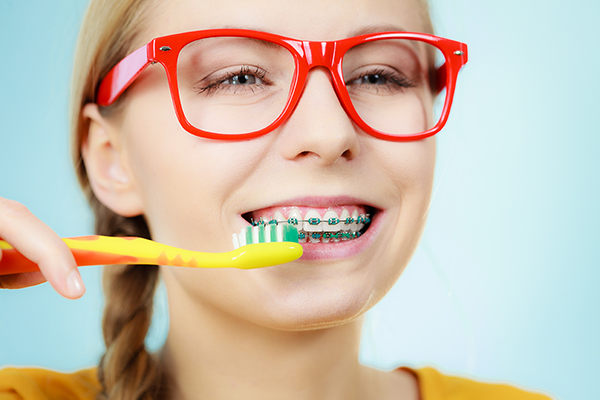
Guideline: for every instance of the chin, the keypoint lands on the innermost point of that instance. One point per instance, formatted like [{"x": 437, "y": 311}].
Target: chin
[
  {"x": 314, "y": 306},
  {"x": 311, "y": 321}
]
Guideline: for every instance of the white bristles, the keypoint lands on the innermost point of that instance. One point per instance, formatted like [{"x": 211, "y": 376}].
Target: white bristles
[
  {"x": 239, "y": 239},
  {"x": 267, "y": 229},
  {"x": 269, "y": 233}
]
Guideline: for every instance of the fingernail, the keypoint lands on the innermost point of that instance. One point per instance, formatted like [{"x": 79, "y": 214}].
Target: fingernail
[{"x": 74, "y": 284}]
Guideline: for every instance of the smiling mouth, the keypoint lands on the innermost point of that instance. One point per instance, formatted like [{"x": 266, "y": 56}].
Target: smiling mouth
[{"x": 318, "y": 225}]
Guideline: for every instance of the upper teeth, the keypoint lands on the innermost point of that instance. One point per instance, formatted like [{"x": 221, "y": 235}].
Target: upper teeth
[
  {"x": 316, "y": 228},
  {"x": 313, "y": 222}
]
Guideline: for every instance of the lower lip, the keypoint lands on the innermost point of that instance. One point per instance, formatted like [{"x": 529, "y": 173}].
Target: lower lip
[{"x": 342, "y": 249}]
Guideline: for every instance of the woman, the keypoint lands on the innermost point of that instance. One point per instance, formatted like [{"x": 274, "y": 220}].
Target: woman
[{"x": 290, "y": 331}]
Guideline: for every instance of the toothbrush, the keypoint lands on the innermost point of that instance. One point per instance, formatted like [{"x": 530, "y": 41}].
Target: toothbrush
[{"x": 261, "y": 246}]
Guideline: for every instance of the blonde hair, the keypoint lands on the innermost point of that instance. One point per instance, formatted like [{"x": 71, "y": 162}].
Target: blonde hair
[{"x": 127, "y": 371}]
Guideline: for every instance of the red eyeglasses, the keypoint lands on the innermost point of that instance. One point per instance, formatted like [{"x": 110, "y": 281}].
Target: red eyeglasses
[{"x": 233, "y": 84}]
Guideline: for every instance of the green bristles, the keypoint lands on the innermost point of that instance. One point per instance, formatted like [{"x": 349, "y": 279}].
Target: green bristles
[
  {"x": 290, "y": 233},
  {"x": 265, "y": 233}
]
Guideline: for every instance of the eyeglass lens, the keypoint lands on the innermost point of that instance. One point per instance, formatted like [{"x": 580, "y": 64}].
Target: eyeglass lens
[{"x": 235, "y": 85}]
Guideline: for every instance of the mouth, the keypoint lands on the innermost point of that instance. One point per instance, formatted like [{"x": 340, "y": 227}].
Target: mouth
[{"x": 332, "y": 224}]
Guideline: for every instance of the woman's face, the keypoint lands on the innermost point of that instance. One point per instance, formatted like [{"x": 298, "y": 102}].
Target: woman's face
[{"x": 196, "y": 192}]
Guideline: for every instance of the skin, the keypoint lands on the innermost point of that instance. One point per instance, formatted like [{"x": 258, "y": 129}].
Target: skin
[{"x": 291, "y": 331}]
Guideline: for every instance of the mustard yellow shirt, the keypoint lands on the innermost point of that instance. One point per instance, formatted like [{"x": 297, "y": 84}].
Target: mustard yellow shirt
[{"x": 41, "y": 384}]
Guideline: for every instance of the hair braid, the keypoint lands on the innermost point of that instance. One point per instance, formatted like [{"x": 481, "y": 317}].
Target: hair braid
[{"x": 127, "y": 370}]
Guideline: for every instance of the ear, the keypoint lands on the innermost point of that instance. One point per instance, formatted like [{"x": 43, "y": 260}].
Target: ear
[{"x": 106, "y": 165}]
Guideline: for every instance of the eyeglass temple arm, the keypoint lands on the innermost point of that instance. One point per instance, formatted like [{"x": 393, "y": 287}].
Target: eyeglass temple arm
[
  {"x": 439, "y": 77},
  {"x": 122, "y": 75}
]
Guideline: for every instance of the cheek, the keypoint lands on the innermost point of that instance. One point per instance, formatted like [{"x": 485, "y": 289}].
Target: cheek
[
  {"x": 418, "y": 169},
  {"x": 188, "y": 184},
  {"x": 405, "y": 169},
  {"x": 416, "y": 189},
  {"x": 409, "y": 170}
]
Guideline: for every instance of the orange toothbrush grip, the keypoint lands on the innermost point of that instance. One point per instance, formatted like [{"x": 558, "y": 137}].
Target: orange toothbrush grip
[{"x": 13, "y": 262}]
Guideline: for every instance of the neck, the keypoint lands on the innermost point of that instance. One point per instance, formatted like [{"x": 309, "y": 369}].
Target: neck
[{"x": 219, "y": 356}]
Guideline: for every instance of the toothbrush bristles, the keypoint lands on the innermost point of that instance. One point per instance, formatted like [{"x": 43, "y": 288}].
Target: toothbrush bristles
[{"x": 265, "y": 233}]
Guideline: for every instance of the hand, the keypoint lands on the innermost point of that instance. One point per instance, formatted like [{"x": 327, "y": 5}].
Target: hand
[{"x": 36, "y": 241}]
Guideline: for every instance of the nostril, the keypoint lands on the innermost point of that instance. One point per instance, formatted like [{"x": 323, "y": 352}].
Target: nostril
[{"x": 348, "y": 154}]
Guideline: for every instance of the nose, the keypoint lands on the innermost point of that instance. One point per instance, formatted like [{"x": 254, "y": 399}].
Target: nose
[{"x": 319, "y": 129}]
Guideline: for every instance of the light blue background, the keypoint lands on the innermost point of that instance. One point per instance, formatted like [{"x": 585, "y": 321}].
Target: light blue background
[{"x": 504, "y": 284}]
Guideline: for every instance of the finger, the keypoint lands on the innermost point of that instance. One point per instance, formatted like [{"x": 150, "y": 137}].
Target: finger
[
  {"x": 36, "y": 241},
  {"x": 19, "y": 281}
]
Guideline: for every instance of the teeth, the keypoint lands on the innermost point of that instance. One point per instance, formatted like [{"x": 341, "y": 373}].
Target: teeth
[
  {"x": 344, "y": 218},
  {"x": 315, "y": 237},
  {"x": 312, "y": 227},
  {"x": 278, "y": 216},
  {"x": 302, "y": 236},
  {"x": 313, "y": 221},
  {"x": 331, "y": 221},
  {"x": 294, "y": 216},
  {"x": 354, "y": 225}
]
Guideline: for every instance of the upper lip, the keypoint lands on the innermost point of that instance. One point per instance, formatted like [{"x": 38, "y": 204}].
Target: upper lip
[{"x": 317, "y": 202}]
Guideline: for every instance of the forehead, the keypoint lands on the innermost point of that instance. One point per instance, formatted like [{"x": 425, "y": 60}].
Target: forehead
[{"x": 301, "y": 19}]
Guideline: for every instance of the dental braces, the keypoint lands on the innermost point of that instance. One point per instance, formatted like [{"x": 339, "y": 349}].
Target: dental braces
[
  {"x": 340, "y": 235},
  {"x": 361, "y": 219}
]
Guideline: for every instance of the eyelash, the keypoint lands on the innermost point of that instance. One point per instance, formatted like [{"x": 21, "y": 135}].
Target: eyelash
[
  {"x": 399, "y": 82},
  {"x": 394, "y": 81},
  {"x": 217, "y": 84}
]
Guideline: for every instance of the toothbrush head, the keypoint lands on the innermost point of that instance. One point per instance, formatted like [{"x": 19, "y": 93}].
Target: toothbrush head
[
  {"x": 265, "y": 233},
  {"x": 266, "y": 245}
]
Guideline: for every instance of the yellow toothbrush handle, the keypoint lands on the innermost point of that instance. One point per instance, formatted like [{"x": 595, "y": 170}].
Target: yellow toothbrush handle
[{"x": 104, "y": 250}]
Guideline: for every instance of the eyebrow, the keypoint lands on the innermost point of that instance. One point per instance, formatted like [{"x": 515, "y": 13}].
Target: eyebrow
[
  {"x": 265, "y": 43},
  {"x": 377, "y": 29}
]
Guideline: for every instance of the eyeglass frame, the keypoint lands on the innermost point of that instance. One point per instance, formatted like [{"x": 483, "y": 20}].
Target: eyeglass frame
[{"x": 307, "y": 55}]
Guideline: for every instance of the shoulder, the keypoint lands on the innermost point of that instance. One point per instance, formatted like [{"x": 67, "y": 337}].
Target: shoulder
[
  {"x": 42, "y": 384},
  {"x": 436, "y": 386}
]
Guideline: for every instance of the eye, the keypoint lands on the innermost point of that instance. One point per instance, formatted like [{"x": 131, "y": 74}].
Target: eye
[
  {"x": 380, "y": 81},
  {"x": 239, "y": 81},
  {"x": 242, "y": 79},
  {"x": 372, "y": 79}
]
